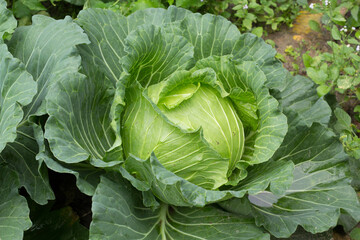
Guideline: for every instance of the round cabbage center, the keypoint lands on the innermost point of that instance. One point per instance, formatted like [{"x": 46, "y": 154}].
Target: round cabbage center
[{"x": 199, "y": 138}]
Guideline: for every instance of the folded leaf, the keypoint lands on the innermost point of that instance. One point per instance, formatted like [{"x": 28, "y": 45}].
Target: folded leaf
[
  {"x": 14, "y": 212},
  {"x": 7, "y": 20},
  {"x": 21, "y": 156},
  {"x": 152, "y": 55},
  {"x": 17, "y": 90},
  {"x": 79, "y": 127},
  {"x": 251, "y": 48},
  {"x": 128, "y": 218},
  {"x": 175, "y": 190},
  {"x": 48, "y": 54},
  {"x": 18, "y": 144},
  {"x": 321, "y": 186}
]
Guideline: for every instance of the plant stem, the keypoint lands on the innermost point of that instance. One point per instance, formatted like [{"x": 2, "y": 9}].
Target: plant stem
[{"x": 163, "y": 212}]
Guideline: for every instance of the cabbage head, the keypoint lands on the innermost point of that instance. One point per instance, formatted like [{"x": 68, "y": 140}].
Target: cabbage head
[
  {"x": 204, "y": 115},
  {"x": 181, "y": 127},
  {"x": 176, "y": 124},
  {"x": 193, "y": 131}
]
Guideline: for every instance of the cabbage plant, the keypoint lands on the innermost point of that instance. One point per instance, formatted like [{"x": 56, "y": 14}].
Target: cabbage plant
[{"x": 177, "y": 125}]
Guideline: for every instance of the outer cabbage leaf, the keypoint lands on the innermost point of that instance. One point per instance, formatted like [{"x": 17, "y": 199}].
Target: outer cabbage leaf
[
  {"x": 320, "y": 188},
  {"x": 14, "y": 212},
  {"x": 209, "y": 34},
  {"x": 251, "y": 48},
  {"x": 7, "y": 20},
  {"x": 300, "y": 96},
  {"x": 118, "y": 212},
  {"x": 152, "y": 55},
  {"x": 87, "y": 176},
  {"x": 17, "y": 90},
  {"x": 174, "y": 190},
  {"x": 21, "y": 155},
  {"x": 18, "y": 144},
  {"x": 271, "y": 124},
  {"x": 107, "y": 32},
  {"x": 81, "y": 106},
  {"x": 275, "y": 175},
  {"x": 79, "y": 127},
  {"x": 47, "y": 49}
]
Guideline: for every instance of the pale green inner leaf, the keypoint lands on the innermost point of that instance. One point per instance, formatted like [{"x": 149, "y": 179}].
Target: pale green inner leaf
[
  {"x": 177, "y": 96},
  {"x": 217, "y": 118}
]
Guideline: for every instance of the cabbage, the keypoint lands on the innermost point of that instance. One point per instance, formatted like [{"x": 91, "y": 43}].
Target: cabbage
[
  {"x": 177, "y": 125},
  {"x": 193, "y": 131}
]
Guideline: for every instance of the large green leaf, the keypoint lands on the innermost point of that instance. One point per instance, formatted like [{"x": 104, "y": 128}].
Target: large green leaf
[
  {"x": 320, "y": 188},
  {"x": 17, "y": 90},
  {"x": 107, "y": 31},
  {"x": 209, "y": 34},
  {"x": 152, "y": 55},
  {"x": 277, "y": 175},
  {"x": 126, "y": 217},
  {"x": 7, "y": 20},
  {"x": 300, "y": 96},
  {"x": 319, "y": 191},
  {"x": 21, "y": 155},
  {"x": 18, "y": 144},
  {"x": 252, "y": 48},
  {"x": 79, "y": 127},
  {"x": 108, "y": 46},
  {"x": 14, "y": 212},
  {"x": 87, "y": 176},
  {"x": 271, "y": 124},
  {"x": 175, "y": 190},
  {"x": 47, "y": 48}
]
